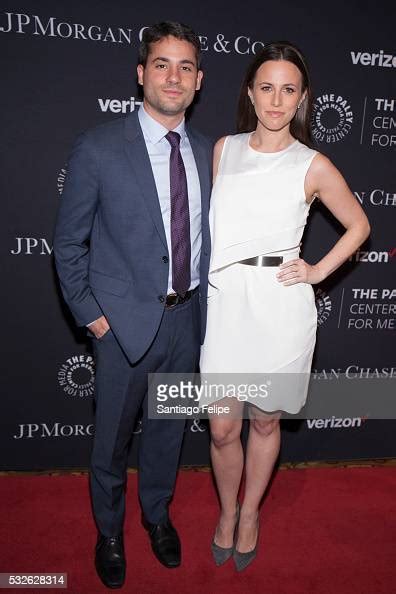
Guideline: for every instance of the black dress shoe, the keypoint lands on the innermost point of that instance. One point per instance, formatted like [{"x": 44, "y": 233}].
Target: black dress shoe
[
  {"x": 165, "y": 543},
  {"x": 110, "y": 560}
]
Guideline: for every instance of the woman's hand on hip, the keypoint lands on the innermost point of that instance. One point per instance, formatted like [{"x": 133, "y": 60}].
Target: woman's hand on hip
[{"x": 298, "y": 271}]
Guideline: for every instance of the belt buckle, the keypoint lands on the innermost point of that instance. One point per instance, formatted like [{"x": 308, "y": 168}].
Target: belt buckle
[
  {"x": 263, "y": 261},
  {"x": 178, "y": 299},
  {"x": 171, "y": 297},
  {"x": 272, "y": 260}
]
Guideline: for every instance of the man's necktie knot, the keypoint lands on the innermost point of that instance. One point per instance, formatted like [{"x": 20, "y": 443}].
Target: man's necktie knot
[{"x": 173, "y": 138}]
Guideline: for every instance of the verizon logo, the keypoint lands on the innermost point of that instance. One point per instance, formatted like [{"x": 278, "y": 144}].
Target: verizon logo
[
  {"x": 334, "y": 423},
  {"x": 373, "y": 256},
  {"x": 118, "y": 105},
  {"x": 379, "y": 59}
]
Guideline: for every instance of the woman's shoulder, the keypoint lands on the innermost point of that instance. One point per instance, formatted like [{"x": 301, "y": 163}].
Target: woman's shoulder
[
  {"x": 226, "y": 150},
  {"x": 233, "y": 138},
  {"x": 321, "y": 165},
  {"x": 230, "y": 140},
  {"x": 303, "y": 154},
  {"x": 304, "y": 149}
]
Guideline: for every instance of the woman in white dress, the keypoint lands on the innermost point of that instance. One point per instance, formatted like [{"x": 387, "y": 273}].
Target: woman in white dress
[{"x": 261, "y": 307}]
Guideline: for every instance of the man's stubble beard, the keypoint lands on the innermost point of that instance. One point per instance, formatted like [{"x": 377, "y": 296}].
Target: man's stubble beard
[{"x": 167, "y": 109}]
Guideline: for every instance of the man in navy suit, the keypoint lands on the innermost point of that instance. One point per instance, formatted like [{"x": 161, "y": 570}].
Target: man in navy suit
[{"x": 132, "y": 252}]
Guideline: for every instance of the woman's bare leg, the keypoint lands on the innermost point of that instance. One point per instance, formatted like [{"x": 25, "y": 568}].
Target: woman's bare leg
[
  {"x": 227, "y": 463},
  {"x": 261, "y": 454}
]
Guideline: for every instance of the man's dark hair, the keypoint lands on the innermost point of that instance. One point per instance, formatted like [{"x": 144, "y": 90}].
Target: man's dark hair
[{"x": 165, "y": 29}]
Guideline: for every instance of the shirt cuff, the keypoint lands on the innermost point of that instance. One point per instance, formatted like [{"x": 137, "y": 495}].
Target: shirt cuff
[{"x": 90, "y": 323}]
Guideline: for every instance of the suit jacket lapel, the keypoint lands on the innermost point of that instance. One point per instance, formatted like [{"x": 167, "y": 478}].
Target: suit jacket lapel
[{"x": 136, "y": 150}]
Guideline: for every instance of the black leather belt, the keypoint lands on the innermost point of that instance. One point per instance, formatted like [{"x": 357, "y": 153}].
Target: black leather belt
[
  {"x": 263, "y": 261},
  {"x": 174, "y": 299}
]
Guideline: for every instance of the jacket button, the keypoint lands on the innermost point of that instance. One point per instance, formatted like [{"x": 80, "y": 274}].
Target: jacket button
[
  {"x": 161, "y": 298},
  {"x": 165, "y": 259}
]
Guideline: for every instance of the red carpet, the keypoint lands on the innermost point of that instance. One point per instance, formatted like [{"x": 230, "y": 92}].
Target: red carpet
[{"x": 323, "y": 531}]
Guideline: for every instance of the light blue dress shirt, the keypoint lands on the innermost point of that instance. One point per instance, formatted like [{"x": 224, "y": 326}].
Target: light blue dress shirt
[{"x": 159, "y": 151}]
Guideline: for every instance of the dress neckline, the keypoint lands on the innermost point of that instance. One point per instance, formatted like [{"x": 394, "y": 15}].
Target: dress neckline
[{"x": 249, "y": 135}]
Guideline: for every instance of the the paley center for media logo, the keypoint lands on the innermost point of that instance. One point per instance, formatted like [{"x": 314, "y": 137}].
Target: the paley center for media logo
[
  {"x": 76, "y": 376},
  {"x": 332, "y": 118},
  {"x": 379, "y": 122},
  {"x": 368, "y": 309},
  {"x": 323, "y": 306},
  {"x": 60, "y": 181}
]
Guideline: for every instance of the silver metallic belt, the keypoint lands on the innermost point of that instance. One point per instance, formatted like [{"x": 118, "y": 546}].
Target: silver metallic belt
[{"x": 263, "y": 261}]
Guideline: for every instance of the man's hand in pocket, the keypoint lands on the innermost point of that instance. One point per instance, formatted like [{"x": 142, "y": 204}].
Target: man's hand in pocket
[{"x": 99, "y": 327}]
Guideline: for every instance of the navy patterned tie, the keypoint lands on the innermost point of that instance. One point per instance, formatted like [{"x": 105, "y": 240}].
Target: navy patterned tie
[{"x": 180, "y": 218}]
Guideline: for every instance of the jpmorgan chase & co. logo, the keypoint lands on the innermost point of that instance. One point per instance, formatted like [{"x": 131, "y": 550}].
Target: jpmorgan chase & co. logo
[
  {"x": 332, "y": 118},
  {"x": 33, "y": 24},
  {"x": 52, "y": 26},
  {"x": 54, "y": 429},
  {"x": 323, "y": 305},
  {"x": 376, "y": 197},
  {"x": 77, "y": 376},
  {"x": 28, "y": 246}
]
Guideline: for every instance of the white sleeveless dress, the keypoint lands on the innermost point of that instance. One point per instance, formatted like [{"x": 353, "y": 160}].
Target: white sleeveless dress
[{"x": 255, "y": 324}]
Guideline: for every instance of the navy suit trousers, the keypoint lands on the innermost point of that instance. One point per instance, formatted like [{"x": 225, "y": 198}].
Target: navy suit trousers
[{"x": 120, "y": 391}]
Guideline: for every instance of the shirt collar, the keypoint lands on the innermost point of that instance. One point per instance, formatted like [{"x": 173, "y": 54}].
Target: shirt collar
[{"x": 155, "y": 131}]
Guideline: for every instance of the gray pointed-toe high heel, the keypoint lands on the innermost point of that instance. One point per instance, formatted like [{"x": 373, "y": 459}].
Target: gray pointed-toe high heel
[
  {"x": 222, "y": 554},
  {"x": 242, "y": 560}
]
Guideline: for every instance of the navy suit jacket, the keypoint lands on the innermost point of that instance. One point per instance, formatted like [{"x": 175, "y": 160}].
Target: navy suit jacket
[{"x": 110, "y": 246}]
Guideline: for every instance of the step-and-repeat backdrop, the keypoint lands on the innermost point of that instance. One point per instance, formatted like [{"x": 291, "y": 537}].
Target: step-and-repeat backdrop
[{"x": 70, "y": 66}]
